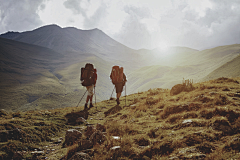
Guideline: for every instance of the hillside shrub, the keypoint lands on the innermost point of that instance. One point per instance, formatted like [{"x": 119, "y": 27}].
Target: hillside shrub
[
  {"x": 178, "y": 88},
  {"x": 155, "y": 91}
]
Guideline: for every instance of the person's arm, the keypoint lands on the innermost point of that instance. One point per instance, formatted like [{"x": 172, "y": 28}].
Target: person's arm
[
  {"x": 95, "y": 80},
  {"x": 111, "y": 75},
  {"x": 124, "y": 79}
]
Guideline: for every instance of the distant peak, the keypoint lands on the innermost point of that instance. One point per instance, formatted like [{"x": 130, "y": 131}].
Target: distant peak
[
  {"x": 51, "y": 27},
  {"x": 10, "y": 32},
  {"x": 95, "y": 30}
]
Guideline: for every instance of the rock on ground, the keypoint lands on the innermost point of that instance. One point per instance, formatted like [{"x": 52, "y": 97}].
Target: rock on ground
[{"x": 72, "y": 135}]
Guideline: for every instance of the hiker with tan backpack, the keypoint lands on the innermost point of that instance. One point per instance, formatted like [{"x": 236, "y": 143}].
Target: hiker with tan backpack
[
  {"x": 88, "y": 79},
  {"x": 118, "y": 79}
]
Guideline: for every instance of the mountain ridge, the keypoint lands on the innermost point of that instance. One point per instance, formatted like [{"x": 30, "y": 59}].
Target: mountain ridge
[{"x": 72, "y": 39}]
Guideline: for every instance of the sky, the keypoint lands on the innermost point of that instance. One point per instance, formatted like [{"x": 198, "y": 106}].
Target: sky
[{"x": 138, "y": 24}]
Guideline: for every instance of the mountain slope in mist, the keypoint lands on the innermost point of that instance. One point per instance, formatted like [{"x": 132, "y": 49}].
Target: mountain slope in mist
[
  {"x": 192, "y": 65},
  {"x": 229, "y": 69},
  {"x": 27, "y": 72}
]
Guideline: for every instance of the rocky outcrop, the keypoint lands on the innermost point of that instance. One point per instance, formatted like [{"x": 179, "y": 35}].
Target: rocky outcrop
[
  {"x": 222, "y": 125},
  {"x": 85, "y": 144},
  {"x": 89, "y": 131},
  {"x": 72, "y": 135},
  {"x": 73, "y": 118},
  {"x": 98, "y": 137},
  {"x": 100, "y": 127}
]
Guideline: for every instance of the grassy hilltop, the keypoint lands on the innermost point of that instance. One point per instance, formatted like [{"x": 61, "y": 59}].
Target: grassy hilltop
[{"x": 203, "y": 123}]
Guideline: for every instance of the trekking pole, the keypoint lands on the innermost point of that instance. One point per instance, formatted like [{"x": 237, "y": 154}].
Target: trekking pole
[
  {"x": 81, "y": 98},
  {"x": 95, "y": 95},
  {"x": 125, "y": 94},
  {"x": 112, "y": 92}
]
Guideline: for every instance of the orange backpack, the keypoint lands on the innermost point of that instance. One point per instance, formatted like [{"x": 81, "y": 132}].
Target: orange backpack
[{"x": 117, "y": 74}]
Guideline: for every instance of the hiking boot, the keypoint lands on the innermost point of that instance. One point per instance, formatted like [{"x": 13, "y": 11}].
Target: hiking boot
[
  {"x": 118, "y": 102},
  {"x": 85, "y": 107},
  {"x": 91, "y": 105}
]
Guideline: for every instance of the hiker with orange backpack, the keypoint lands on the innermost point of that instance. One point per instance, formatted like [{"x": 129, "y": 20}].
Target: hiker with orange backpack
[
  {"x": 88, "y": 79},
  {"x": 118, "y": 79}
]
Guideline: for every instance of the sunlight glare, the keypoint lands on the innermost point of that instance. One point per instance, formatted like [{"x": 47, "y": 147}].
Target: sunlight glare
[{"x": 163, "y": 46}]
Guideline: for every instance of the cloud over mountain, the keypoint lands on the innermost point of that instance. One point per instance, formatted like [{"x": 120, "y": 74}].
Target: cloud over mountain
[{"x": 138, "y": 24}]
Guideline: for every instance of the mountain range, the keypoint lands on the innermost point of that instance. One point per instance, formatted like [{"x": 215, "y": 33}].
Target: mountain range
[{"x": 40, "y": 68}]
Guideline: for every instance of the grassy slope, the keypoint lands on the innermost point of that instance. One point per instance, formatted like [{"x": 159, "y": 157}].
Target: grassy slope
[
  {"x": 153, "y": 125},
  {"x": 210, "y": 59},
  {"x": 230, "y": 69},
  {"x": 26, "y": 73}
]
